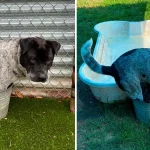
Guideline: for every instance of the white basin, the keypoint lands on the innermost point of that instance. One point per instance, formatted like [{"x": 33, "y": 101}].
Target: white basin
[{"x": 114, "y": 39}]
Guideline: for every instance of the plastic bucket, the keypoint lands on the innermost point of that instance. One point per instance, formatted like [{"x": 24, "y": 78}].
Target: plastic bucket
[
  {"x": 142, "y": 111},
  {"x": 4, "y": 102}
]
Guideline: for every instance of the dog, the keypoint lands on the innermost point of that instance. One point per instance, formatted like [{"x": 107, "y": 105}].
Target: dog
[
  {"x": 131, "y": 70},
  {"x": 31, "y": 57}
]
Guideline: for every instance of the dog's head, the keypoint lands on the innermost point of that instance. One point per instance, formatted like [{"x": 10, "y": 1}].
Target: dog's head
[{"x": 37, "y": 57}]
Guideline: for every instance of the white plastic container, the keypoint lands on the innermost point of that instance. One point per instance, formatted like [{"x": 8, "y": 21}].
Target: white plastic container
[
  {"x": 114, "y": 39},
  {"x": 4, "y": 102}
]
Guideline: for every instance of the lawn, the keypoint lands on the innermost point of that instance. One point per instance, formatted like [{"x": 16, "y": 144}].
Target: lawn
[
  {"x": 107, "y": 126},
  {"x": 38, "y": 124}
]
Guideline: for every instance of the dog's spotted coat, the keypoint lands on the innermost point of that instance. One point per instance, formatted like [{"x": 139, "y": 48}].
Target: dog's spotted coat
[
  {"x": 131, "y": 70},
  {"x": 10, "y": 67}
]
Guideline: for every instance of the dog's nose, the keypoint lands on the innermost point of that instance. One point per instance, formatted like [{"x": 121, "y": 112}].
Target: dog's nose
[{"x": 42, "y": 77}]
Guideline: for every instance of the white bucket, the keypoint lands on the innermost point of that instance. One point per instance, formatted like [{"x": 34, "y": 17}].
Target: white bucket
[{"x": 4, "y": 102}]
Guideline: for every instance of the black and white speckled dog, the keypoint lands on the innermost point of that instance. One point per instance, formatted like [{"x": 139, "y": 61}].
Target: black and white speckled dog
[
  {"x": 131, "y": 70},
  {"x": 31, "y": 57}
]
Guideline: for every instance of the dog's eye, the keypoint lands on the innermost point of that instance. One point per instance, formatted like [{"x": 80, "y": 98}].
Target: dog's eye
[{"x": 32, "y": 60}]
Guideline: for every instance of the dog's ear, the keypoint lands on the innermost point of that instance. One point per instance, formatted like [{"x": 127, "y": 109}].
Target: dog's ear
[
  {"x": 26, "y": 44},
  {"x": 54, "y": 45}
]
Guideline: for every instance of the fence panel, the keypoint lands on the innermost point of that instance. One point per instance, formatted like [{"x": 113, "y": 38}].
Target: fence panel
[{"x": 54, "y": 20}]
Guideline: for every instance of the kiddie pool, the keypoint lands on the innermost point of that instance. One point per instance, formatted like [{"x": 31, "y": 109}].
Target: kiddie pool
[{"x": 114, "y": 39}]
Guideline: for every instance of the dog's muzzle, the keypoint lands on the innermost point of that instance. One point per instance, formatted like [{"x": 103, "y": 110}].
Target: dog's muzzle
[{"x": 38, "y": 77}]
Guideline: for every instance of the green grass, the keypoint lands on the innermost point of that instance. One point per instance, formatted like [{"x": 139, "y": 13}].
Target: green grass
[
  {"x": 38, "y": 124},
  {"x": 107, "y": 126},
  {"x": 114, "y": 128}
]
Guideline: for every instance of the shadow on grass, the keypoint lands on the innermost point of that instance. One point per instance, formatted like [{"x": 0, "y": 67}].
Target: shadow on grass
[
  {"x": 92, "y": 115},
  {"x": 90, "y": 108}
]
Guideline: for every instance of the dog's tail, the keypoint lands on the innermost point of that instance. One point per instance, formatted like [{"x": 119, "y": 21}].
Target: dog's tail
[{"x": 91, "y": 62}]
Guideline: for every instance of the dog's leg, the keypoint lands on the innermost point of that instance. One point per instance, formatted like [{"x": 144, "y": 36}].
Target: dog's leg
[{"x": 133, "y": 88}]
